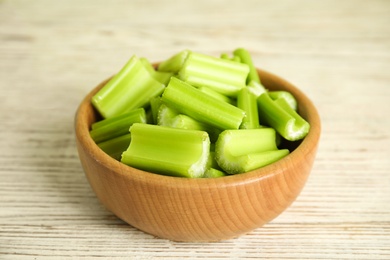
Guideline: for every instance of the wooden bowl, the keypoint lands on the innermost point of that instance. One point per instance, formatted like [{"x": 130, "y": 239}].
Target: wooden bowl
[{"x": 182, "y": 209}]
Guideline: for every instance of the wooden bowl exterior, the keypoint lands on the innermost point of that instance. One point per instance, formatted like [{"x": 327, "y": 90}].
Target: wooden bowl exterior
[{"x": 181, "y": 209}]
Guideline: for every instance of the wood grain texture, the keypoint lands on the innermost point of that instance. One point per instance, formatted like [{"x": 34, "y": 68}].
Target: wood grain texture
[{"x": 52, "y": 53}]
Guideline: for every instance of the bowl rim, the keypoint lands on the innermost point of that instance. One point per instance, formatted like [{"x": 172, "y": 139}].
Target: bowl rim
[{"x": 308, "y": 144}]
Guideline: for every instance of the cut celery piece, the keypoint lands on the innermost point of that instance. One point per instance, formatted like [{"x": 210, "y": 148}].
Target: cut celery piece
[
  {"x": 131, "y": 88},
  {"x": 247, "y": 102},
  {"x": 155, "y": 104},
  {"x": 237, "y": 151},
  {"x": 224, "y": 76},
  {"x": 170, "y": 117},
  {"x": 116, "y": 126},
  {"x": 246, "y": 58},
  {"x": 256, "y": 88},
  {"x": 285, "y": 95},
  {"x": 168, "y": 151},
  {"x": 190, "y": 101},
  {"x": 174, "y": 63},
  {"x": 213, "y": 173},
  {"x": 160, "y": 76},
  {"x": 280, "y": 116},
  {"x": 136, "y": 115},
  {"x": 216, "y": 95},
  {"x": 116, "y": 146},
  {"x": 226, "y": 56}
]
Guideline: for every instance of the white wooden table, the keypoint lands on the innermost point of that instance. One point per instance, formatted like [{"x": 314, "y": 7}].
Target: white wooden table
[{"x": 53, "y": 52}]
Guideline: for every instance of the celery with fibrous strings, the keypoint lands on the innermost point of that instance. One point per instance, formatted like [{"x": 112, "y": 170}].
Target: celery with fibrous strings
[
  {"x": 168, "y": 151},
  {"x": 131, "y": 88},
  {"x": 160, "y": 76},
  {"x": 280, "y": 116},
  {"x": 238, "y": 151},
  {"x": 190, "y": 101},
  {"x": 224, "y": 76},
  {"x": 216, "y": 95},
  {"x": 277, "y": 94},
  {"x": 256, "y": 88},
  {"x": 247, "y": 102},
  {"x": 155, "y": 104},
  {"x": 170, "y": 117},
  {"x": 174, "y": 63},
  {"x": 116, "y": 146},
  {"x": 116, "y": 126},
  {"x": 246, "y": 58}
]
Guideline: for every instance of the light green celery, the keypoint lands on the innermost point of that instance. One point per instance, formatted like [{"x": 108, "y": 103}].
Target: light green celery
[
  {"x": 160, "y": 76},
  {"x": 237, "y": 150},
  {"x": 247, "y": 102},
  {"x": 155, "y": 104},
  {"x": 200, "y": 106},
  {"x": 224, "y": 76},
  {"x": 280, "y": 116},
  {"x": 211, "y": 162},
  {"x": 117, "y": 126},
  {"x": 132, "y": 87},
  {"x": 136, "y": 115},
  {"x": 226, "y": 56},
  {"x": 256, "y": 88},
  {"x": 246, "y": 58},
  {"x": 254, "y": 161},
  {"x": 168, "y": 151},
  {"x": 213, "y": 173},
  {"x": 174, "y": 63},
  {"x": 285, "y": 95},
  {"x": 216, "y": 95},
  {"x": 170, "y": 117},
  {"x": 116, "y": 146}
]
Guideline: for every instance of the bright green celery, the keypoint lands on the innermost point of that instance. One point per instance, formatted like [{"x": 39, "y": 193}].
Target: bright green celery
[
  {"x": 170, "y": 117},
  {"x": 168, "y": 151},
  {"x": 136, "y": 115},
  {"x": 116, "y": 126},
  {"x": 174, "y": 63},
  {"x": 226, "y": 56},
  {"x": 285, "y": 95},
  {"x": 224, "y": 76},
  {"x": 160, "y": 76},
  {"x": 247, "y": 102},
  {"x": 246, "y": 58},
  {"x": 216, "y": 95},
  {"x": 130, "y": 88},
  {"x": 256, "y": 88},
  {"x": 280, "y": 116},
  {"x": 116, "y": 146},
  {"x": 213, "y": 173},
  {"x": 155, "y": 104},
  {"x": 239, "y": 151},
  {"x": 192, "y": 102}
]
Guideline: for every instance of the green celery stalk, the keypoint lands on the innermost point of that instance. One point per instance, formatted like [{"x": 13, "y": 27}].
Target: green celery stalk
[
  {"x": 155, "y": 104},
  {"x": 226, "y": 56},
  {"x": 238, "y": 151},
  {"x": 216, "y": 95},
  {"x": 246, "y": 58},
  {"x": 247, "y": 102},
  {"x": 224, "y": 76},
  {"x": 168, "y": 151},
  {"x": 192, "y": 102},
  {"x": 256, "y": 88},
  {"x": 136, "y": 115},
  {"x": 280, "y": 116},
  {"x": 170, "y": 117},
  {"x": 116, "y": 146},
  {"x": 286, "y": 95},
  {"x": 174, "y": 63},
  {"x": 213, "y": 173},
  {"x": 160, "y": 76},
  {"x": 117, "y": 126},
  {"x": 130, "y": 88}
]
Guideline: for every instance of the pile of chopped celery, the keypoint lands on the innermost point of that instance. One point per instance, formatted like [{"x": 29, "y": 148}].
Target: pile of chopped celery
[{"x": 195, "y": 116}]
